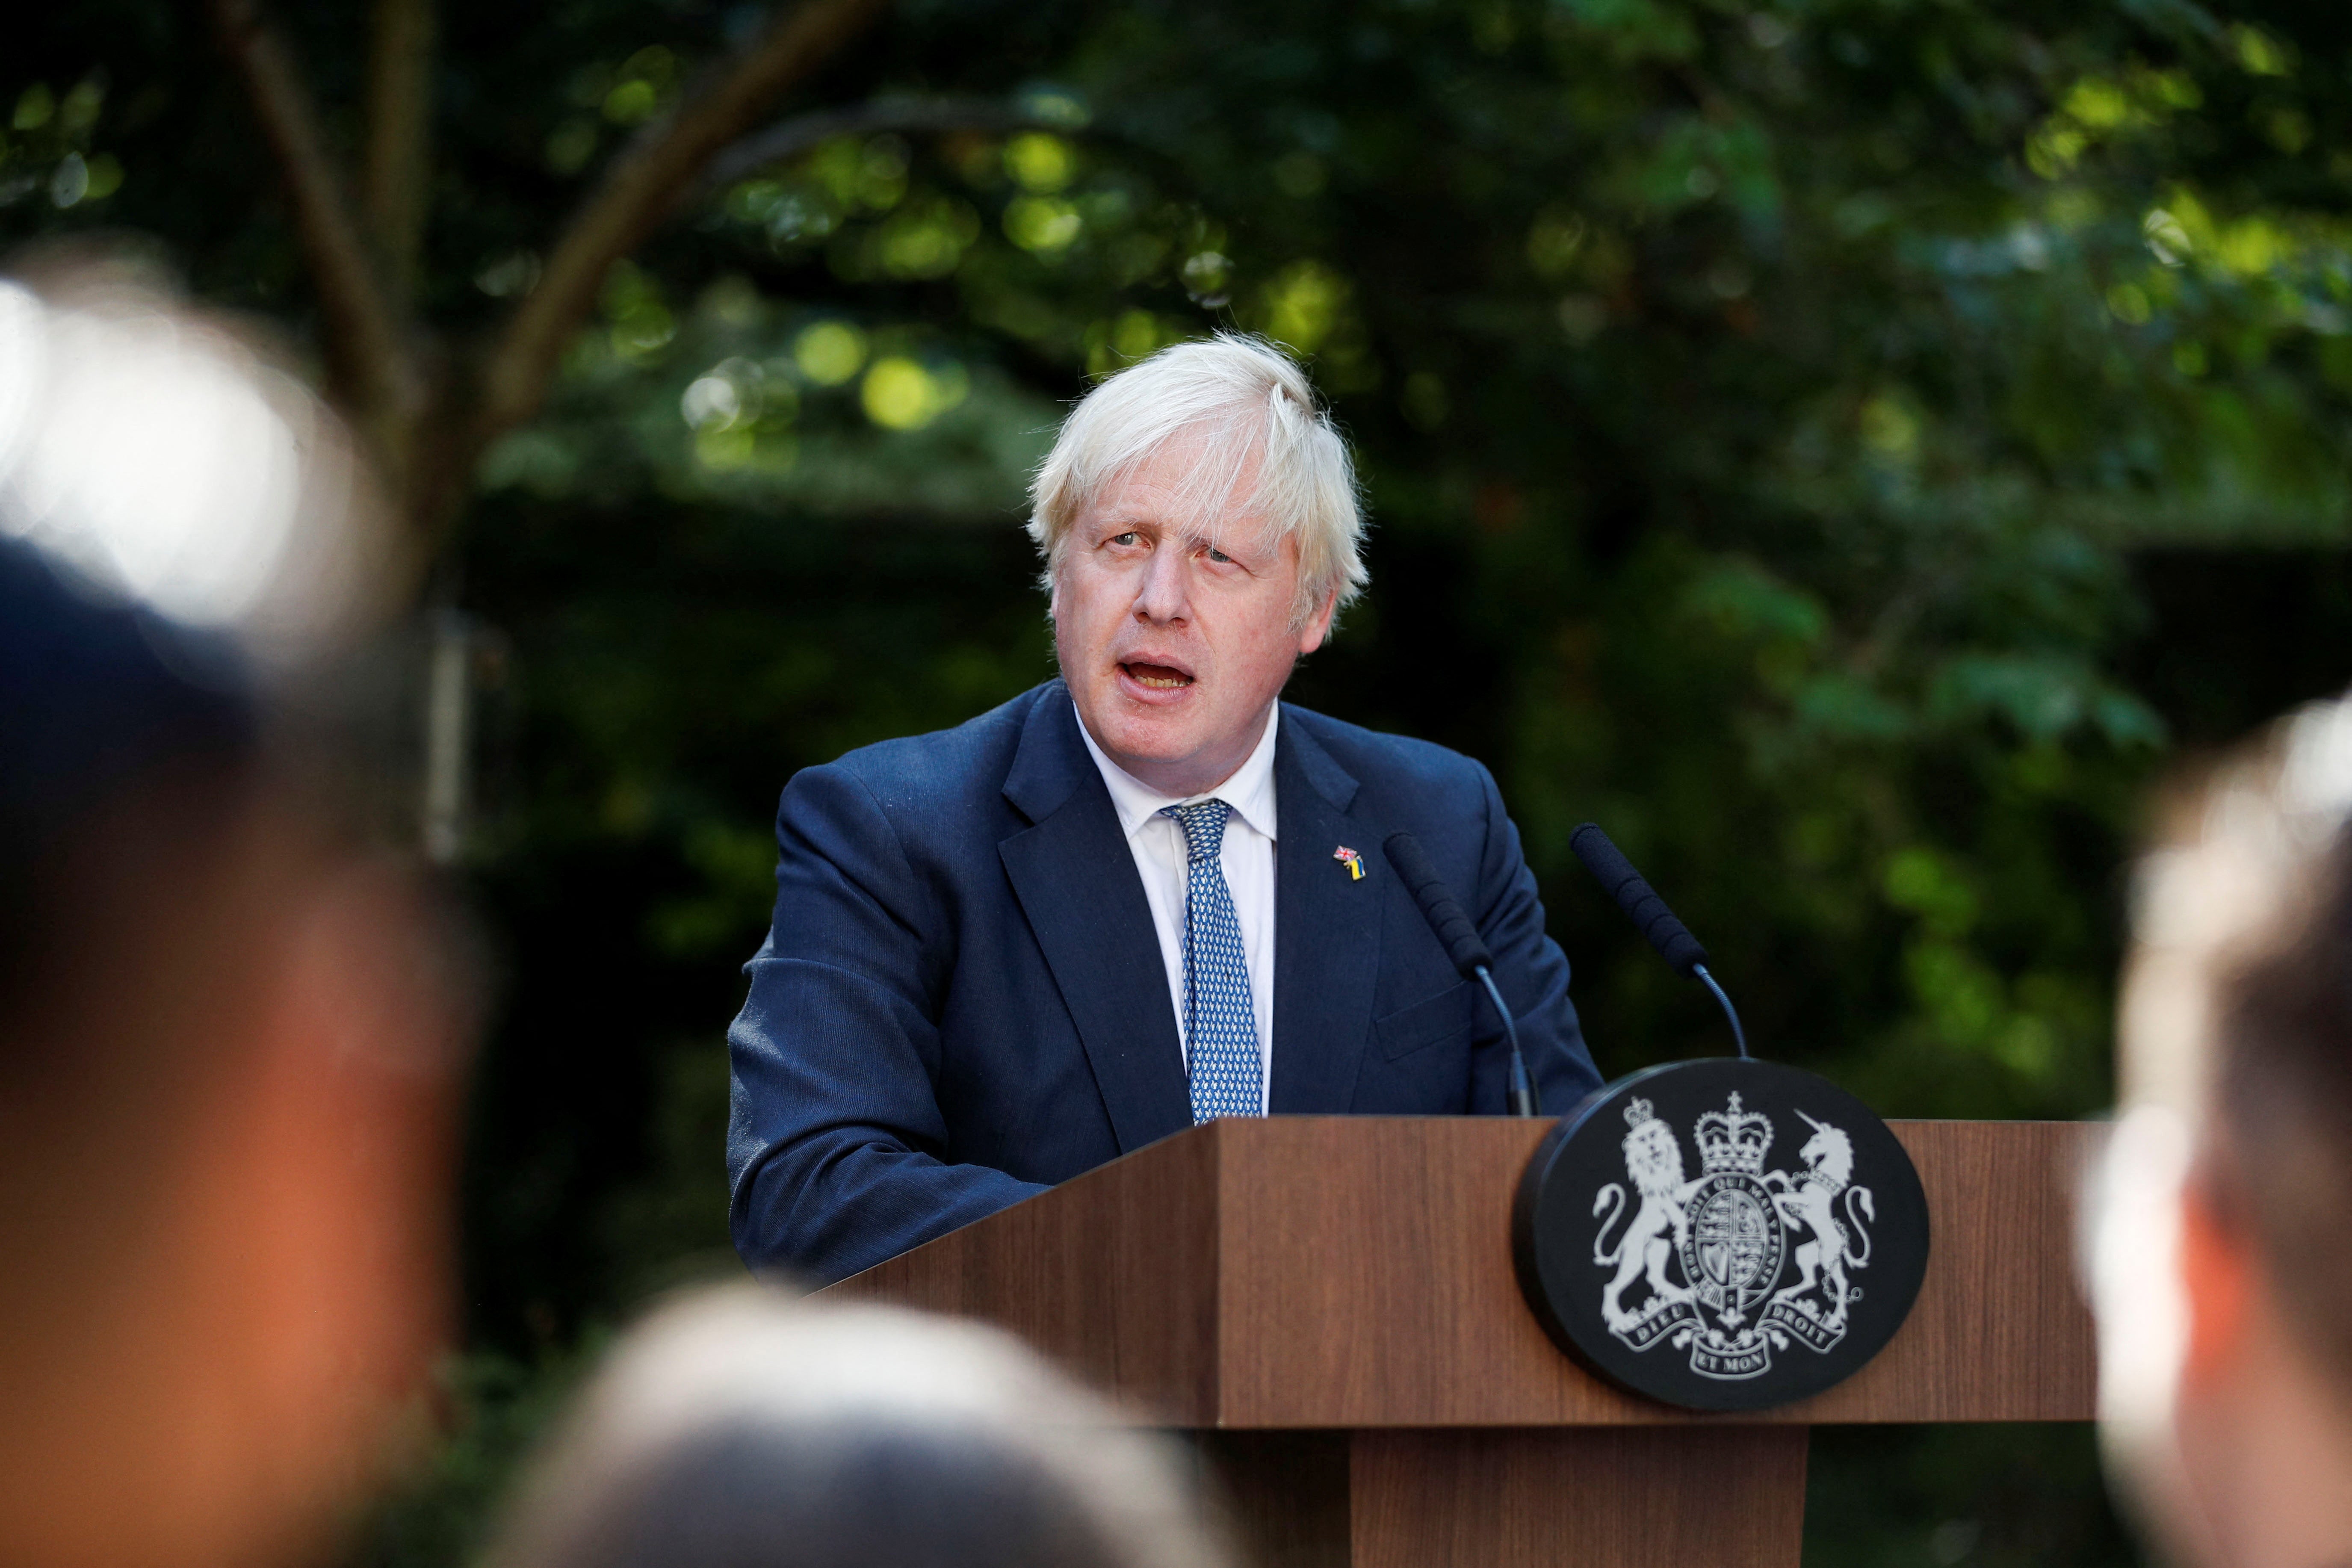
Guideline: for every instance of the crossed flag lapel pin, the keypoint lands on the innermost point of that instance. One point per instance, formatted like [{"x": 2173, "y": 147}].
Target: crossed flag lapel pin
[{"x": 1350, "y": 860}]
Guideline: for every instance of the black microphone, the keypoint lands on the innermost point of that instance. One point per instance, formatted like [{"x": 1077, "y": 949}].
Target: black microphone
[
  {"x": 1463, "y": 945},
  {"x": 1650, "y": 916}
]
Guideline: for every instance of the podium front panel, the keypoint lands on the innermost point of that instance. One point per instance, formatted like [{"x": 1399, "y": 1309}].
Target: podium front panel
[{"x": 1356, "y": 1272}]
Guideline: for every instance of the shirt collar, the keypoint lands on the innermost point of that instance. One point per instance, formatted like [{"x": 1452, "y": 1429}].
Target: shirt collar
[{"x": 1249, "y": 790}]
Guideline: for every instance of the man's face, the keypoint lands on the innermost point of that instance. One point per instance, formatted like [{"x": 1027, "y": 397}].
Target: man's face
[{"x": 1174, "y": 632}]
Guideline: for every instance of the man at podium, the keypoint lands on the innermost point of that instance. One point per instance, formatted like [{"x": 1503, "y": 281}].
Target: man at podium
[{"x": 1144, "y": 894}]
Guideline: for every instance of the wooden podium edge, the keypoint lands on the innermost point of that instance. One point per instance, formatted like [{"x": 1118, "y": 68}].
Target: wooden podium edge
[{"x": 1352, "y": 1272}]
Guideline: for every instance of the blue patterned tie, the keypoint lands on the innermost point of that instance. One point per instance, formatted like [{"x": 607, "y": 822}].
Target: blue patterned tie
[{"x": 1220, "y": 1021}]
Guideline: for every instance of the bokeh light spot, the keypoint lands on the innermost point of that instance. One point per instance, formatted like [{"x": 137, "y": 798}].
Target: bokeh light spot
[
  {"x": 1045, "y": 225},
  {"x": 1041, "y": 163},
  {"x": 829, "y": 352},
  {"x": 901, "y": 394}
]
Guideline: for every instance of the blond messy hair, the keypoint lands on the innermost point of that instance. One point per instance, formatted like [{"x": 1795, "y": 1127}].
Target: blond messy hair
[{"x": 1268, "y": 448}]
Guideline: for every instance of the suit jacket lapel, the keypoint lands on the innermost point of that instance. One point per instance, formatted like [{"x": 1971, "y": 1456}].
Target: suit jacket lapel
[
  {"x": 1076, "y": 878},
  {"x": 1327, "y": 929}
]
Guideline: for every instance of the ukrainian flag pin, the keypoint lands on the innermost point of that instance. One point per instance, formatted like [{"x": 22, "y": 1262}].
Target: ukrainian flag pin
[{"x": 1353, "y": 861}]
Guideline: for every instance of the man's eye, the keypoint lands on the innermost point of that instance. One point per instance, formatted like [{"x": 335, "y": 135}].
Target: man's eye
[
  {"x": 1219, "y": 556},
  {"x": 1125, "y": 539}
]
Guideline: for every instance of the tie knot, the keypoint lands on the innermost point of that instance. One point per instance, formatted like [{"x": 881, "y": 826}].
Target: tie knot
[{"x": 1204, "y": 823}]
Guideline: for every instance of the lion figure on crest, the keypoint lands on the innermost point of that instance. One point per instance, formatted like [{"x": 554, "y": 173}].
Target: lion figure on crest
[
  {"x": 1655, "y": 1161},
  {"x": 1810, "y": 1203}
]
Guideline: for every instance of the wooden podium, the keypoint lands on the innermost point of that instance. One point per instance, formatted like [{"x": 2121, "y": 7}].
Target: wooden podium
[{"x": 1330, "y": 1303}]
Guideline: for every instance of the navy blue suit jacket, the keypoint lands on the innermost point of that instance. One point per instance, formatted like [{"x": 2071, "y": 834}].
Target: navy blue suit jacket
[{"x": 962, "y": 999}]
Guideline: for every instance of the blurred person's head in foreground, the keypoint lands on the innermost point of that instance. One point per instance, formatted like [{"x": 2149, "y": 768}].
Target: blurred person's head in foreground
[
  {"x": 2219, "y": 1265},
  {"x": 227, "y": 1040},
  {"x": 744, "y": 1429}
]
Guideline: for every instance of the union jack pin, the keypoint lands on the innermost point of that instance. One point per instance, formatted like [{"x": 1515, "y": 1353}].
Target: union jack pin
[{"x": 1353, "y": 861}]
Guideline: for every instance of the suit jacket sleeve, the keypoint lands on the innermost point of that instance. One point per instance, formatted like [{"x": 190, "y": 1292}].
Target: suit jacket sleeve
[
  {"x": 1532, "y": 973},
  {"x": 835, "y": 1128}
]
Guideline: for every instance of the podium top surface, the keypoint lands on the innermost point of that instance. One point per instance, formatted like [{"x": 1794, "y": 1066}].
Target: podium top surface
[{"x": 1335, "y": 1272}]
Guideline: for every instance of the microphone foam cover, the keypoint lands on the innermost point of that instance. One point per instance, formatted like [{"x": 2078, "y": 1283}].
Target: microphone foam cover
[
  {"x": 1637, "y": 898},
  {"x": 1455, "y": 930}
]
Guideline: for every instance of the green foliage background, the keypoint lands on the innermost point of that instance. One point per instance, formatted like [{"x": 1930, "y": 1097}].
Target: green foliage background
[{"x": 1851, "y": 448}]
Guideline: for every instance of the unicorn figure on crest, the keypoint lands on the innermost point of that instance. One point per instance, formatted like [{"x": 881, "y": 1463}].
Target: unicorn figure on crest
[{"x": 1810, "y": 1203}]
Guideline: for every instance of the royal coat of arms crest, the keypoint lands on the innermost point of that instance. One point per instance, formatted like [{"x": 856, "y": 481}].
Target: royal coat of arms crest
[{"x": 1700, "y": 1262}]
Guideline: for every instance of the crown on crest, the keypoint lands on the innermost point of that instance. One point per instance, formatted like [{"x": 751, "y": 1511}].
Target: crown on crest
[
  {"x": 1637, "y": 1111},
  {"x": 1734, "y": 1140}
]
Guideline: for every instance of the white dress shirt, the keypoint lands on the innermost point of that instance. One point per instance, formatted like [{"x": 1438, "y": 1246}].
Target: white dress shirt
[{"x": 1158, "y": 844}]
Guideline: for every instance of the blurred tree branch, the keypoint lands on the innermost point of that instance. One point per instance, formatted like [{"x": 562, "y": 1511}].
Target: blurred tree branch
[
  {"x": 400, "y": 127},
  {"x": 373, "y": 371},
  {"x": 427, "y": 418},
  {"x": 788, "y": 138},
  {"x": 645, "y": 184}
]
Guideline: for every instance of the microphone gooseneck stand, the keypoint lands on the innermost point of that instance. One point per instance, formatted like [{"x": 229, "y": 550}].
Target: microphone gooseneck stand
[
  {"x": 1651, "y": 916},
  {"x": 1468, "y": 951}
]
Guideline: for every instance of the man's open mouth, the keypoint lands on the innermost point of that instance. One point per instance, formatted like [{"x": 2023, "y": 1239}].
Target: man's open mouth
[{"x": 1158, "y": 677}]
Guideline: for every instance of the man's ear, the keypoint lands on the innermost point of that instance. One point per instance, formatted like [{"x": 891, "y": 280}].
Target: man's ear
[
  {"x": 1318, "y": 626},
  {"x": 2217, "y": 1283}
]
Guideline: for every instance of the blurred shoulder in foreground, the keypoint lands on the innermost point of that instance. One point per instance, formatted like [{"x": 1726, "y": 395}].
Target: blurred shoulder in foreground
[
  {"x": 745, "y": 1427},
  {"x": 230, "y": 1034}
]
